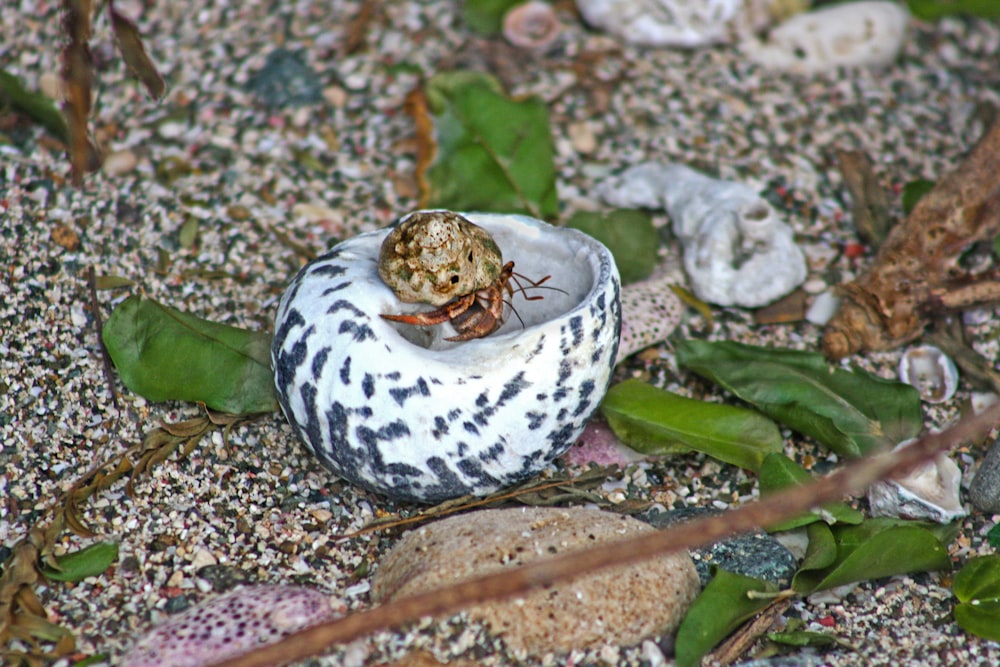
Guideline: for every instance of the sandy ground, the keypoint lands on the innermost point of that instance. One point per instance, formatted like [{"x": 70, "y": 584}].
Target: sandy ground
[{"x": 211, "y": 161}]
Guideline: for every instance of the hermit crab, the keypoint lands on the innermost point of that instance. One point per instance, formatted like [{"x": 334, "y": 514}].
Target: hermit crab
[
  {"x": 409, "y": 412},
  {"x": 441, "y": 258}
]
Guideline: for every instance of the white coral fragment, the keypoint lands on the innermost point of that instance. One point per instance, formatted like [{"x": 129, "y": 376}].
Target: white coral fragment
[
  {"x": 853, "y": 34},
  {"x": 674, "y": 23},
  {"x": 930, "y": 492},
  {"x": 736, "y": 250}
]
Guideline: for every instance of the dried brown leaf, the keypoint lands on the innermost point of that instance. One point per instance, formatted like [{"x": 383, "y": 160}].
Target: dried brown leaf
[
  {"x": 134, "y": 52},
  {"x": 869, "y": 202},
  {"x": 416, "y": 106}
]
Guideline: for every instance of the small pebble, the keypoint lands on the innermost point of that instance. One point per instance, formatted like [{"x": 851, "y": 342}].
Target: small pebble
[
  {"x": 754, "y": 554},
  {"x": 984, "y": 492},
  {"x": 285, "y": 80},
  {"x": 119, "y": 163},
  {"x": 619, "y": 605}
]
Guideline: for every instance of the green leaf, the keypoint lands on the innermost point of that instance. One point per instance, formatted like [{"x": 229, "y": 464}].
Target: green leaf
[
  {"x": 913, "y": 191},
  {"x": 87, "y": 562},
  {"x": 654, "y": 421},
  {"x": 977, "y": 587},
  {"x": 629, "y": 235},
  {"x": 164, "y": 354},
  {"x": 931, "y": 10},
  {"x": 720, "y": 608},
  {"x": 493, "y": 153},
  {"x": 35, "y": 106},
  {"x": 873, "y": 549},
  {"x": 486, "y": 16},
  {"x": 993, "y": 536},
  {"x": 852, "y": 413},
  {"x": 780, "y": 472}
]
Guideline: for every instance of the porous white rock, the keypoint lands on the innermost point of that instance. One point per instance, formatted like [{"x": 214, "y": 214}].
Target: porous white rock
[
  {"x": 852, "y": 34},
  {"x": 736, "y": 250},
  {"x": 674, "y": 23},
  {"x": 619, "y": 605}
]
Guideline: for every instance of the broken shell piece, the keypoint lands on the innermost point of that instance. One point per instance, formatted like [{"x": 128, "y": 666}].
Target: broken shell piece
[
  {"x": 232, "y": 624},
  {"x": 850, "y": 35},
  {"x": 823, "y": 307},
  {"x": 675, "y": 23},
  {"x": 930, "y": 492},
  {"x": 650, "y": 308},
  {"x": 532, "y": 25},
  {"x": 736, "y": 250},
  {"x": 931, "y": 371}
]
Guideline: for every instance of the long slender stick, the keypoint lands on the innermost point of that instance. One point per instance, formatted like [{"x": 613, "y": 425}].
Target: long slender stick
[{"x": 851, "y": 479}]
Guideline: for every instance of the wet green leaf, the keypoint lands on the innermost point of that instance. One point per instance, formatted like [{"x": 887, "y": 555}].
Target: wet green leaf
[
  {"x": 993, "y": 537},
  {"x": 35, "y": 106},
  {"x": 629, "y": 235},
  {"x": 654, "y": 421},
  {"x": 189, "y": 232},
  {"x": 492, "y": 153},
  {"x": 720, "y": 608},
  {"x": 486, "y": 16},
  {"x": 913, "y": 191},
  {"x": 852, "y": 412},
  {"x": 875, "y": 548},
  {"x": 164, "y": 354},
  {"x": 977, "y": 587},
  {"x": 87, "y": 562},
  {"x": 931, "y": 10},
  {"x": 780, "y": 472}
]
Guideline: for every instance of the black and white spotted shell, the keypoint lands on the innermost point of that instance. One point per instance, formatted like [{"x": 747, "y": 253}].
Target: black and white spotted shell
[{"x": 397, "y": 409}]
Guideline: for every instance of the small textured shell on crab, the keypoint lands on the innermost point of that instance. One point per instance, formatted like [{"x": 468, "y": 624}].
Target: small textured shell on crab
[
  {"x": 853, "y": 34},
  {"x": 737, "y": 252},
  {"x": 675, "y": 23},
  {"x": 402, "y": 411}
]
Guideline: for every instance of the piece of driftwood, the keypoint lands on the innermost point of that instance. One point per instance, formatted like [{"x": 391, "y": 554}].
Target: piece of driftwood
[{"x": 916, "y": 272}]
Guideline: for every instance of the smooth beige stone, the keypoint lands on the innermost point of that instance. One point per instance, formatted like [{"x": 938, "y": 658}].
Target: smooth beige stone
[{"x": 619, "y": 606}]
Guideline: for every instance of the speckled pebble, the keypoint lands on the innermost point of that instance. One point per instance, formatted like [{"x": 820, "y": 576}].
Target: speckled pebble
[
  {"x": 230, "y": 625},
  {"x": 754, "y": 554},
  {"x": 984, "y": 492},
  {"x": 615, "y": 606},
  {"x": 285, "y": 80}
]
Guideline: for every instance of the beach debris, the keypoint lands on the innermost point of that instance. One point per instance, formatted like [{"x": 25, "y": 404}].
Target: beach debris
[
  {"x": 931, "y": 371},
  {"x": 917, "y": 271},
  {"x": 531, "y": 25},
  {"x": 853, "y": 34},
  {"x": 736, "y": 250},
  {"x": 930, "y": 492},
  {"x": 617, "y": 606}
]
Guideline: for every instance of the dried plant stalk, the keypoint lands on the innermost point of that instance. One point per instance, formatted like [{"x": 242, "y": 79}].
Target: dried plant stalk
[
  {"x": 850, "y": 480},
  {"x": 919, "y": 262}
]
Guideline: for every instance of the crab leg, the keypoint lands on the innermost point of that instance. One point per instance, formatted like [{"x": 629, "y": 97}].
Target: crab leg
[{"x": 446, "y": 312}]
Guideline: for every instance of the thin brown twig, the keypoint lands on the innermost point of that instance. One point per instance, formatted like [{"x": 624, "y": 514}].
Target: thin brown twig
[
  {"x": 95, "y": 310},
  {"x": 851, "y": 479}
]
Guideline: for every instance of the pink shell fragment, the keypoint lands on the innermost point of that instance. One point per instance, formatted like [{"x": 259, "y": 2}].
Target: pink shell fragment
[{"x": 230, "y": 625}]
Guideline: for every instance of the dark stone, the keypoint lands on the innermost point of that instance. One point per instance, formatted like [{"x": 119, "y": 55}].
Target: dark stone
[
  {"x": 756, "y": 554},
  {"x": 984, "y": 492},
  {"x": 177, "y": 604},
  {"x": 285, "y": 81},
  {"x": 223, "y": 577}
]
